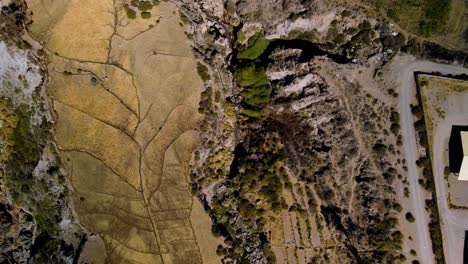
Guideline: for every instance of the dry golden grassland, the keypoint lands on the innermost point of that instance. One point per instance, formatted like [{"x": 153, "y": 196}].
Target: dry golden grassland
[{"x": 125, "y": 94}]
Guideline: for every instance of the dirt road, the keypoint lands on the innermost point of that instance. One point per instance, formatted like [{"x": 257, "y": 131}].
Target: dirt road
[{"x": 453, "y": 224}]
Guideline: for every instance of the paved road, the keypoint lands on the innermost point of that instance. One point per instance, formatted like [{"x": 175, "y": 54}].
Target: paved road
[{"x": 451, "y": 223}]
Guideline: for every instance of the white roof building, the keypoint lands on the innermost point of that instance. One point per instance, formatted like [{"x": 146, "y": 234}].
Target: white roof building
[{"x": 463, "y": 174}]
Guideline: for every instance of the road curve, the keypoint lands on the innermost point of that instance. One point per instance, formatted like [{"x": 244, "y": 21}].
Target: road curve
[{"x": 407, "y": 94}]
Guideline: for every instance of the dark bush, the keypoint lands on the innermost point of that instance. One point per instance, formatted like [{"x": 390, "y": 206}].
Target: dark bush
[{"x": 409, "y": 216}]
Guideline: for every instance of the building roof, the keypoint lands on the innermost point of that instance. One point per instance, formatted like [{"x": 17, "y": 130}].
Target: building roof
[
  {"x": 463, "y": 174},
  {"x": 464, "y": 139},
  {"x": 456, "y": 148}
]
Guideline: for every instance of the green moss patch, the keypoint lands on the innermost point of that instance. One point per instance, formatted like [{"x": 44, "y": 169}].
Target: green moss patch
[
  {"x": 251, "y": 76},
  {"x": 255, "y": 47},
  {"x": 256, "y": 96},
  {"x": 9, "y": 123},
  {"x": 256, "y": 92},
  {"x": 256, "y": 114}
]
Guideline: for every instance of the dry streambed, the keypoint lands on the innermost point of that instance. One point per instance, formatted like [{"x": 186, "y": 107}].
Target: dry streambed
[{"x": 125, "y": 96}]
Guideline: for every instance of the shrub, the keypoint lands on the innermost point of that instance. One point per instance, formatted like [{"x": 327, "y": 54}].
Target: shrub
[
  {"x": 409, "y": 216},
  {"x": 145, "y": 6},
  {"x": 395, "y": 117},
  {"x": 395, "y": 128},
  {"x": 41, "y": 53},
  {"x": 24, "y": 45},
  {"x": 417, "y": 111},
  {"x": 345, "y": 13},
  {"x": 419, "y": 126},
  {"x": 446, "y": 171},
  {"x": 220, "y": 250},
  {"x": 145, "y": 15},
  {"x": 203, "y": 72},
  {"x": 388, "y": 41},
  {"x": 131, "y": 14},
  {"x": 303, "y": 35},
  {"x": 391, "y": 13},
  {"x": 379, "y": 149},
  {"x": 339, "y": 38},
  {"x": 421, "y": 182}
]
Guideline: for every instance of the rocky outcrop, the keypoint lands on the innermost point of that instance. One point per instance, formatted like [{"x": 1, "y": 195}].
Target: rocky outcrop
[
  {"x": 36, "y": 219},
  {"x": 17, "y": 227}
]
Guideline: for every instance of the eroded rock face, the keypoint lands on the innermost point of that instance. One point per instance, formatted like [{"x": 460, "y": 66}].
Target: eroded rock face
[{"x": 17, "y": 228}]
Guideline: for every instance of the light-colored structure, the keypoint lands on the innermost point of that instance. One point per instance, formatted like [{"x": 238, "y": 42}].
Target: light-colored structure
[{"x": 463, "y": 174}]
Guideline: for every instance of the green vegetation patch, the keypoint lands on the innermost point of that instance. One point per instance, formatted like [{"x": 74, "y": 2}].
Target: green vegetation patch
[
  {"x": 25, "y": 144},
  {"x": 241, "y": 36},
  {"x": 9, "y": 124},
  {"x": 251, "y": 76},
  {"x": 423, "y": 17},
  {"x": 386, "y": 247},
  {"x": 131, "y": 14},
  {"x": 257, "y": 90},
  {"x": 145, "y": 15},
  {"x": 203, "y": 71},
  {"x": 409, "y": 216},
  {"x": 255, "y": 47},
  {"x": 256, "y": 96},
  {"x": 255, "y": 190},
  {"x": 256, "y": 114},
  {"x": 145, "y": 6},
  {"x": 435, "y": 17},
  {"x": 302, "y": 35}
]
